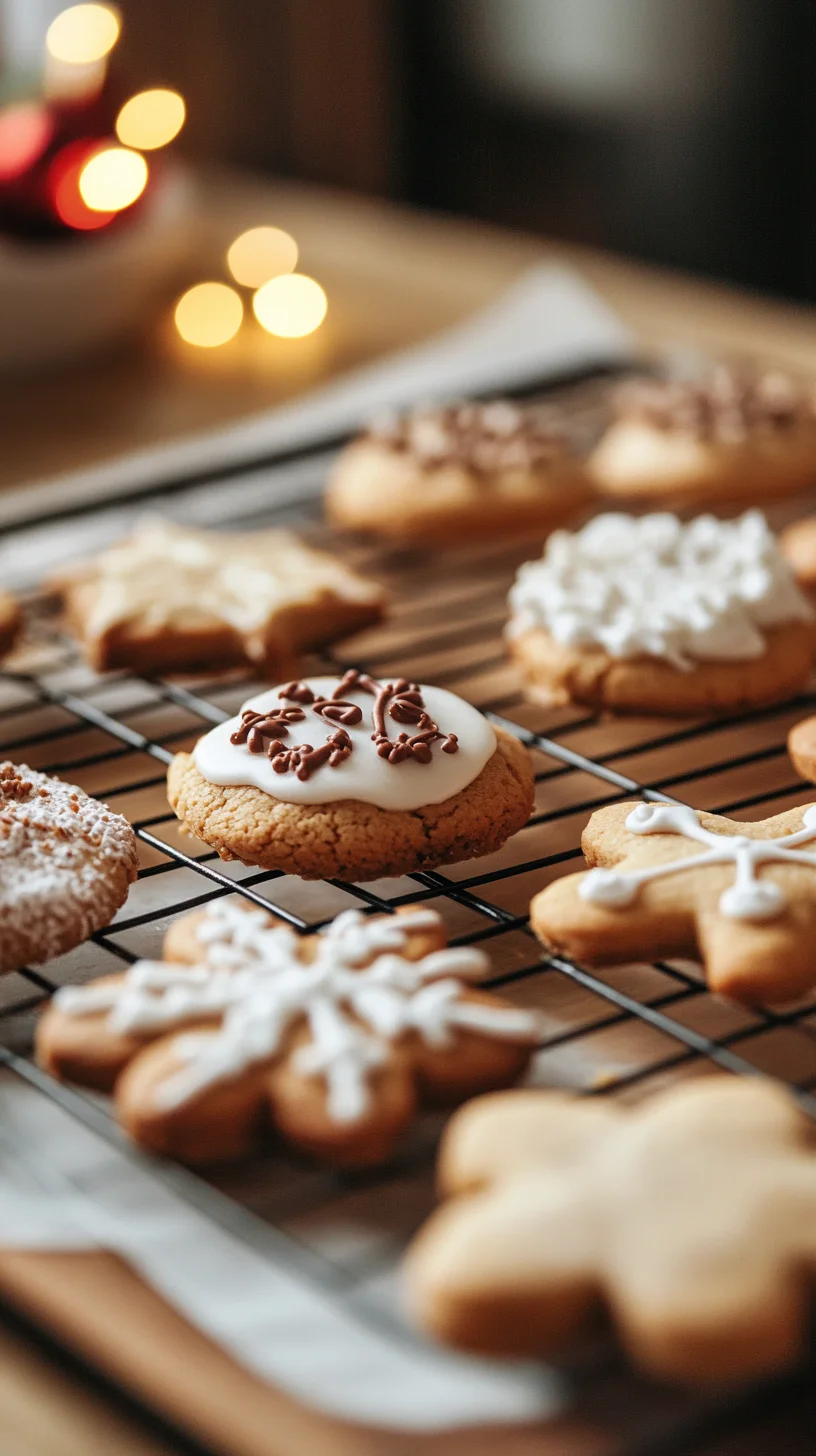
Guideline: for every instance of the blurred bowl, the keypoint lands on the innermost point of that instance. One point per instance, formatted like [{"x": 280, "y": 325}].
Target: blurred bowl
[{"x": 59, "y": 301}]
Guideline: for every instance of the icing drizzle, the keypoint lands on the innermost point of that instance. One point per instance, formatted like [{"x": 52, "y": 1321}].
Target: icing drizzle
[
  {"x": 357, "y": 995},
  {"x": 749, "y": 898},
  {"x": 654, "y": 586}
]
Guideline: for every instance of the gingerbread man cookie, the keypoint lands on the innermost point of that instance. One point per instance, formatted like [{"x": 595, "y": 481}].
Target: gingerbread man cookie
[
  {"x": 66, "y": 862},
  {"x": 353, "y": 778},
  {"x": 173, "y": 598},
  {"x": 691, "y": 1218},
  {"x": 447, "y": 475},
  {"x": 653, "y": 615},
  {"x": 667, "y": 880},
  {"x": 732, "y": 436},
  {"x": 335, "y": 1039}
]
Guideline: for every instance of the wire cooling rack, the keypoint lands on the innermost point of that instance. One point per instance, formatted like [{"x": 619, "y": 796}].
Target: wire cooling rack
[{"x": 621, "y": 1031}]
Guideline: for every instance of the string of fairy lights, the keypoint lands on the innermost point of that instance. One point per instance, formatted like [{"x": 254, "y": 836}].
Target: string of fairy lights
[{"x": 73, "y": 165}]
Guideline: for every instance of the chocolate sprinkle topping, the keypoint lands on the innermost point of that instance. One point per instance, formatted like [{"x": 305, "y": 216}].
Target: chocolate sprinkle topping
[
  {"x": 401, "y": 701},
  {"x": 485, "y": 438},
  {"x": 725, "y": 407}
]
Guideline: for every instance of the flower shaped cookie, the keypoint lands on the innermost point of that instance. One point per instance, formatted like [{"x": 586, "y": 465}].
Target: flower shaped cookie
[
  {"x": 335, "y": 1038},
  {"x": 692, "y": 1218}
]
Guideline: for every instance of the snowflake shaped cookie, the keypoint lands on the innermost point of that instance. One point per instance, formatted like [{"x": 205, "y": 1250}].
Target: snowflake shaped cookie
[
  {"x": 335, "y": 1038},
  {"x": 667, "y": 880},
  {"x": 690, "y": 1217}
]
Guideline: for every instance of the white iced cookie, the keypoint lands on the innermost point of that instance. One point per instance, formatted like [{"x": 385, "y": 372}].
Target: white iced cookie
[
  {"x": 353, "y": 777},
  {"x": 635, "y": 612}
]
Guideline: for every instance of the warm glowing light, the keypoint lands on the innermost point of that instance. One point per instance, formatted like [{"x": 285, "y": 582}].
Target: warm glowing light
[
  {"x": 113, "y": 179},
  {"x": 63, "y": 185},
  {"x": 25, "y": 131},
  {"x": 290, "y": 306},
  {"x": 150, "y": 119},
  {"x": 209, "y": 314},
  {"x": 260, "y": 254},
  {"x": 82, "y": 34}
]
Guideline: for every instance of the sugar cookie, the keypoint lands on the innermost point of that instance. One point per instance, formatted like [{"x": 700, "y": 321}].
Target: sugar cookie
[
  {"x": 354, "y": 778},
  {"x": 335, "y": 1039},
  {"x": 647, "y": 614},
  {"x": 460, "y": 473},
  {"x": 173, "y": 598},
  {"x": 729, "y": 437},
  {"x": 690, "y": 1218},
  {"x": 667, "y": 881},
  {"x": 66, "y": 862}
]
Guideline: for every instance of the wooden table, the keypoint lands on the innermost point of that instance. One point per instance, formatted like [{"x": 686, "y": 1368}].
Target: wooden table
[{"x": 393, "y": 277}]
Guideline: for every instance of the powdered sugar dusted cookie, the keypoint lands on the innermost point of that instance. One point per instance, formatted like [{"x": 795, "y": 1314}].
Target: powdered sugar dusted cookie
[
  {"x": 649, "y": 614},
  {"x": 170, "y": 597},
  {"x": 459, "y": 473},
  {"x": 732, "y": 436},
  {"x": 667, "y": 880},
  {"x": 355, "y": 778},
  {"x": 66, "y": 862},
  {"x": 335, "y": 1039},
  {"x": 690, "y": 1218}
]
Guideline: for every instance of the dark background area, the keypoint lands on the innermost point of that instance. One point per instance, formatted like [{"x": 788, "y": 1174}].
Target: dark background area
[{"x": 679, "y": 131}]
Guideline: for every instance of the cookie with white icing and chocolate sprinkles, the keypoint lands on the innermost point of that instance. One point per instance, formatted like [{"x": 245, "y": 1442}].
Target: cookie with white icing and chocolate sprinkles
[
  {"x": 353, "y": 778},
  {"x": 334, "y": 1039},
  {"x": 171, "y": 598},
  {"x": 66, "y": 862},
  {"x": 459, "y": 473},
  {"x": 733, "y": 435}
]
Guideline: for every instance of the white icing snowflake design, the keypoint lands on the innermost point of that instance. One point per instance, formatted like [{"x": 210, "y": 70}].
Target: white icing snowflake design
[
  {"x": 749, "y": 898},
  {"x": 254, "y": 978}
]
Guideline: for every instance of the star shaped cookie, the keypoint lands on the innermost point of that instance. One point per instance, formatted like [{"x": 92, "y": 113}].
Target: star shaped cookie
[
  {"x": 669, "y": 881},
  {"x": 691, "y": 1218},
  {"x": 174, "y": 598},
  {"x": 334, "y": 1038}
]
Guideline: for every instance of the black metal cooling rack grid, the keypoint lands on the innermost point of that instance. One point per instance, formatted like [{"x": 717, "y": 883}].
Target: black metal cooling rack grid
[{"x": 617, "y": 1031}]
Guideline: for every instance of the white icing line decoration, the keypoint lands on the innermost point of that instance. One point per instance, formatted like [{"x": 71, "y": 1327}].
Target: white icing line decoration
[
  {"x": 262, "y": 988},
  {"x": 653, "y": 586},
  {"x": 749, "y": 898}
]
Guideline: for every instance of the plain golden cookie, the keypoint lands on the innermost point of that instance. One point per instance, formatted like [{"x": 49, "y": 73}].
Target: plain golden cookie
[{"x": 690, "y": 1219}]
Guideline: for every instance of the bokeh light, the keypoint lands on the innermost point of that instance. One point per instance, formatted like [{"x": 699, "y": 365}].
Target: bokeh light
[
  {"x": 83, "y": 33},
  {"x": 113, "y": 179},
  {"x": 261, "y": 253},
  {"x": 150, "y": 119},
  {"x": 25, "y": 131},
  {"x": 290, "y": 306},
  {"x": 209, "y": 314},
  {"x": 63, "y": 185}
]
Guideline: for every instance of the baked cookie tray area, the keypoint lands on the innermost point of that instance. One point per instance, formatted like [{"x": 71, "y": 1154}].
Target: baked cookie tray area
[{"x": 621, "y": 1032}]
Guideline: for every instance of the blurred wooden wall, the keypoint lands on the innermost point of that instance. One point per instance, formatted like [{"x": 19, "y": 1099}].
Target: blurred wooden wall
[{"x": 310, "y": 88}]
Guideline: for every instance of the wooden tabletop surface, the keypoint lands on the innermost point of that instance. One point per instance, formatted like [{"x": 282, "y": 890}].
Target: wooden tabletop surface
[{"x": 393, "y": 277}]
